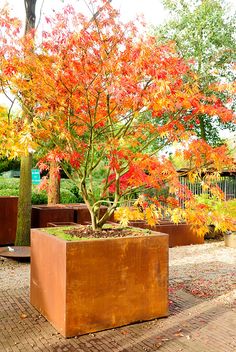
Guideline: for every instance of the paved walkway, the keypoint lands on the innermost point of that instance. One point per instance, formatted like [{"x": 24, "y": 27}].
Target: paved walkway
[{"x": 202, "y": 310}]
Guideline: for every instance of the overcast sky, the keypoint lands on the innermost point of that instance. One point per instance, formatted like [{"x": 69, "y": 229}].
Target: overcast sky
[{"x": 152, "y": 9}]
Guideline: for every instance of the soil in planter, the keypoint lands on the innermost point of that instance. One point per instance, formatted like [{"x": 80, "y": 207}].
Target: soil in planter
[{"x": 86, "y": 232}]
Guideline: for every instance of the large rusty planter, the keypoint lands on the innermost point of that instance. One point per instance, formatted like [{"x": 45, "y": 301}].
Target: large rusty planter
[
  {"x": 179, "y": 234},
  {"x": 91, "y": 285},
  {"x": 8, "y": 220}
]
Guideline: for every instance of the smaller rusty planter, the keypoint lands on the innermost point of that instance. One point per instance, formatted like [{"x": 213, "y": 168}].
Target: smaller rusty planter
[
  {"x": 179, "y": 234},
  {"x": 91, "y": 285},
  {"x": 43, "y": 214},
  {"x": 8, "y": 220},
  {"x": 66, "y": 213}
]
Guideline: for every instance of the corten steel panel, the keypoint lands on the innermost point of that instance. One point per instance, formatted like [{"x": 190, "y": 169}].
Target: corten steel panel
[
  {"x": 59, "y": 224},
  {"x": 8, "y": 220},
  {"x": 179, "y": 235},
  {"x": 139, "y": 223},
  {"x": 15, "y": 252},
  {"x": 42, "y": 215},
  {"x": 117, "y": 281},
  {"x": 109, "y": 282},
  {"x": 48, "y": 277}
]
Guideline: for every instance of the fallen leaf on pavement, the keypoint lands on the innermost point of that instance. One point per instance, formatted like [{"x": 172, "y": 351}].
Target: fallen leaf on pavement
[{"x": 23, "y": 316}]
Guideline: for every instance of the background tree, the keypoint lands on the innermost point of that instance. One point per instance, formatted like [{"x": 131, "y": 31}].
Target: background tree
[{"x": 204, "y": 32}]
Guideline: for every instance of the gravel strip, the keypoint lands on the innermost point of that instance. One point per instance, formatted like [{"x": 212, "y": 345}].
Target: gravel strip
[
  {"x": 13, "y": 274},
  {"x": 207, "y": 270}
]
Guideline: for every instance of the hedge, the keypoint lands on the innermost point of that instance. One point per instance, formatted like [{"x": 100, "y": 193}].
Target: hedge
[{"x": 69, "y": 193}]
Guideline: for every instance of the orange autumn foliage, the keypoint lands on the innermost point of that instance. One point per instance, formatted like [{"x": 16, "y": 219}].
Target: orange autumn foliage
[{"x": 106, "y": 98}]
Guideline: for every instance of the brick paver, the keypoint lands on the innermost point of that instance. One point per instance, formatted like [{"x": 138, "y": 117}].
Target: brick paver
[{"x": 196, "y": 323}]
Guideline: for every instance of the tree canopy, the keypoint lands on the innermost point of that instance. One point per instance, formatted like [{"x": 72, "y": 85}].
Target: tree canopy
[
  {"x": 204, "y": 32},
  {"x": 89, "y": 84}
]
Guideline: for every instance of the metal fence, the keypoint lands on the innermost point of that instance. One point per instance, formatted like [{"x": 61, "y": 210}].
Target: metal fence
[{"x": 226, "y": 183}]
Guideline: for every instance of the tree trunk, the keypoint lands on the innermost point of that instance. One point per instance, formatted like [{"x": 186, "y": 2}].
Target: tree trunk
[
  {"x": 30, "y": 14},
  {"x": 202, "y": 128},
  {"x": 97, "y": 220},
  {"x": 54, "y": 184},
  {"x": 24, "y": 203}
]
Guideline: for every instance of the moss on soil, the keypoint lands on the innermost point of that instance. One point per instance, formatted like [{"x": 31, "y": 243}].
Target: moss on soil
[
  {"x": 60, "y": 233},
  {"x": 78, "y": 233}
]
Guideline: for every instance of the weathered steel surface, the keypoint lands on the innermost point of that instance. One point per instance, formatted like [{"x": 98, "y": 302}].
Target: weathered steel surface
[
  {"x": 15, "y": 252},
  {"x": 8, "y": 219},
  {"x": 88, "y": 286},
  {"x": 48, "y": 277},
  {"x": 59, "y": 224},
  {"x": 78, "y": 213},
  {"x": 179, "y": 234},
  {"x": 43, "y": 214}
]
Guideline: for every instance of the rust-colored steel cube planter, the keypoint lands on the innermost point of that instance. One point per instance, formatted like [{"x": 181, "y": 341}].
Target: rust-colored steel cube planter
[
  {"x": 43, "y": 214},
  {"x": 92, "y": 285},
  {"x": 78, "y": 213},
  {"x": 179, "y": 234},
  {"x": 8, "y": 220}
]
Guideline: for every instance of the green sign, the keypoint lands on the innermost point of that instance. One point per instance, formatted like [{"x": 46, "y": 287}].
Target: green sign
[{"x": 35, "y": 176}]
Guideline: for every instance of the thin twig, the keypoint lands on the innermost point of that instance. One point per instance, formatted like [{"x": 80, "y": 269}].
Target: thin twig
[{"x": 40, "y": 15}]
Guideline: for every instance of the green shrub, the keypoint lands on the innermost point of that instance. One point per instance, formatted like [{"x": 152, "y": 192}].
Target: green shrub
[
  {"x": 75, "y": 191},
  {"x": 69, "y": 192},
  {"x": 9, "y": 192},
  {"x": 67, "y": 197},
  {"x": 9, "y": 183},
  {"x": 67, "y": 184},
  {"x": 6, "y": 165},
  {"x": 39, "y": 197}
]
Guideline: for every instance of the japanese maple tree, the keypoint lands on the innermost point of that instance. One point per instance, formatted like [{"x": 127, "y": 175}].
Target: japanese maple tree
[{"x": 93, "y": 81}]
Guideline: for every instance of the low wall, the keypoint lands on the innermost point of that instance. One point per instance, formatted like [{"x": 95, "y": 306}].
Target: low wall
[
  {"x": 43, "y": 214},
  {"x": 8, "y": 220},
  {"x": 179, "y": 234},
  {"x": 64, "y": 213}
]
